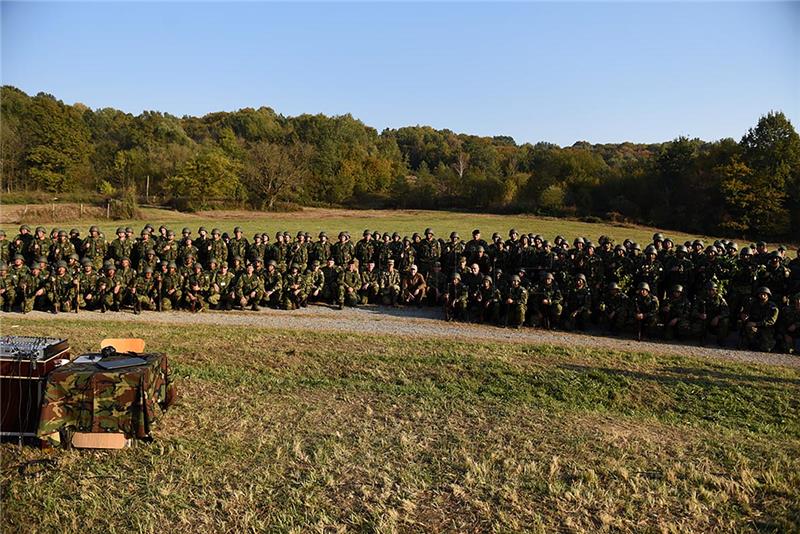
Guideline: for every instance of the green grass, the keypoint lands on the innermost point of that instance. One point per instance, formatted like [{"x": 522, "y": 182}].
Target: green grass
[
  {"x": 300, "y": 431},
  {"x": 406, "y": 222}
]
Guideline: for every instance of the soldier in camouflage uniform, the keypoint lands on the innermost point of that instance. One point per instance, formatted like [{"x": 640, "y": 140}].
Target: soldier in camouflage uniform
[
  {"x": 390, "y": 284},
  {"x": 217, "y": 248},
  {"x": 315, "y": 282},
  {"x": 249, "y": 289},
  {"x": 294, "y": 294},
  {"x": 110, "y": 289},
  {"x": 516, "y": 303},
  {"x": 220, "y": 291},
  {"x": 486, "y": 302},
  {"x": 33, "y": 289},
  {"x": 789, "y": 324},
  {"x": 370, "y": 288},
  {"x": 365, "y": 250},
  {"x": 321, "y": 250},
  {"x": 710, "y": 314},
  {"x": 349, "y": 283},
  {"x": 759, "y": 321},
  {"x": 171, "y": 287},
  {"x": 645, "y": 310},
  {"x": 331, "y": 272},
  {"x": 8, "y": 288},
  {"x": 238, "y": 246},
  {"x": 87, "y": 285},
  {"x": 195, "y": 289},
  {"x": 675, "y": 313},
  {"x": 436, "y": 284},
  {"x": 342, "y": 251},
  {"x": 257, "y": 249},
  {"x": 456, "y": 299},
  {"x": 273, "y": 285},
  {"x": 430, "y": 252},
  {"x": 144, "y": 291},
  {"x": 775, "y": 276},
  {"x": 168, "y": 248},
  {"x": 120, "y": 247},
  {"x": 545, "y": 300},
  {"x": 614, "y": 309},
  {"x": 578, "y": 309},
  {"x": 95, "y": 247},
  {"x": 38, "y": 246}
]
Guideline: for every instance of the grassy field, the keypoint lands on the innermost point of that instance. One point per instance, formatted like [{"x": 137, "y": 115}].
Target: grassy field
[
  {"x": 355, "y": 221},
  {"x": 311, "y": 432}
]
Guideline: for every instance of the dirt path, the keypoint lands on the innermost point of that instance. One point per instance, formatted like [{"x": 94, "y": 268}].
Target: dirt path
[{"x": 403, "y": 322}]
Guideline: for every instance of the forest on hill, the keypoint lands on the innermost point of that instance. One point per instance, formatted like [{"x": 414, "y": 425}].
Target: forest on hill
[{"x": 260, "y": 158}]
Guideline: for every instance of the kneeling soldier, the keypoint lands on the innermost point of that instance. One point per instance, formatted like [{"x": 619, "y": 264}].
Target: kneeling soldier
[
  {"x": 390, "y": 284},
  {"x": 675, "y": 314},
  {"x": 516, "y": 302},
  {"x": 759, "y": 320},
  {"x": 249, "y": 289},
  {"x": 579, "y": 305},
  {"x": 710, "y": 313},
  {"x": 456, "y": 299},
  {"x": 414, "y": 287},
  {"x": 144, "y": 291},
  {"x": 789, "y": 324},
  {"x": 349, "y": 283}
]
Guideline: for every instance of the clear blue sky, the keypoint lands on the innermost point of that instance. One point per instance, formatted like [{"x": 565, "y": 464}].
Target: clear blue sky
[{"x": 600, "y": 72}]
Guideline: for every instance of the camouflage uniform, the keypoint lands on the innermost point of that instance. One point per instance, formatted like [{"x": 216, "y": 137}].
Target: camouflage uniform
[
  {"x": 546, "y": 303},
  {"x": 390, "y": 285},
  {"x": 249, "y": 289},
  {"x": 195, "y": 289},
  {"x": 760, "y": 319},
  {"x": 456, "y": 299},
  {"x": 219, "y": 293},
  {"x": 144, "y": 291},
  {"x": 717, "y": 315},
  {"x": 516, "y": 303},
  {"x": 675, "y": 313},
  {"x": 578, "y": 310},
  {"x": 349, "y": 284},
  {"x": 171, "y": 288},
  {"x": 370, "y": 287},
  {"x": 294, "y": 295},
  {"x": 789, "y": 324}
]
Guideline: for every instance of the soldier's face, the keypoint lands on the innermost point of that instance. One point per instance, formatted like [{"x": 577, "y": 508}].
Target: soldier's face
[
  {"x": 643, "y": 292},
  {"x": 763, "y": 297}
]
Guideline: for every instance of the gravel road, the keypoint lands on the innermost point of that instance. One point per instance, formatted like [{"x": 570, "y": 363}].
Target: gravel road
[{"x": 414, "y": 322}]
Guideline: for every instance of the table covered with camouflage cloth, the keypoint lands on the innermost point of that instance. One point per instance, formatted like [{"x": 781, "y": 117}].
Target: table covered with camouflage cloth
[{"x": 82, "y": 397}]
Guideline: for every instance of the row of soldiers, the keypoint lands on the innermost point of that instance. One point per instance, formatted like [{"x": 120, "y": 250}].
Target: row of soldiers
[{"x": 683, "y": 291}]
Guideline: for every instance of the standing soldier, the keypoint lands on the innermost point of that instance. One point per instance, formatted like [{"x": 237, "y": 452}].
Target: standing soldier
[
  {"x": 37, "y": 246},
  {"x": 775, "y": 276},
  {"x": 62, "y": 248},
  {"x": 238, "y": 246},
  {"x": 22, "y": 241},
  {"x": 472, "y": 246},
  {"x": 120, "y": 247},
  {"x": 203, "y": 244},
  {"x": 298, "y": 252},
  {"x": 257, "y": 250},
  {"x": 168, "y": 249},
  {"x": 331, "y": 273},
  {"x": 218, "y": 250},
  {"x": 342, "y": 251},
  {"x": 710, "y": 314},
  {"x": 349, "y": 284},
  {"x": 759, "y": 321},
  {"x": 452, "y": 253},
  {"x": 365, "y": 249},
  {"x": 185, "y": 249},
  {"x": 429, "y": 252},
  {"x": 5, "y": 248},
  {"x": 321, "y": 250},
  {"x": 95, "y": 247}
]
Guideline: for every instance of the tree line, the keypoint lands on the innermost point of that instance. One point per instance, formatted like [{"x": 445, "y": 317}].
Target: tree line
[{"x": 749, "y": 188}]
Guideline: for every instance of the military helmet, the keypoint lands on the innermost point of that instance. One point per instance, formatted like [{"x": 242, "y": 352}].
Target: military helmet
[
  {"x": 746, "y": 251},
  {"x": 513, "y": 231},
  {"x": 3, "y": 266},
  {"x": 682, "y": 249},
  {"x": 761, "y": 244},
  {"x": 613, "y": 286},
  {"x": 578, "y": 240},
  {"x": 225, "y": 236},
  {"x": 294, "y": 267},
  {"x": 62, "y": 233},
  {"x": 213, "y": 261},
  {"x": 273, "y": 263},
  {"x": 669, "y": 240},
  {"x": 86, "y": 261},
  {"x": 74, "y": 232},
  {"x": 186, "y": 230},
  {"x": 314, "y": 263},
  {"x": 322, "y": 234},
  {"x": 658, "y": 236},
  {"x": 636, "y": 246},
  {"x": 202, "y": 229},
  {"x": 24, "y": 227},
  {"x": 480, "y": 248},
  {"x": 215, "y": 231},
  {"x": 170, "y": 233},
  {"x": 487, "y": 278},
  {"x": 256, "y": 236},
  {"x": 172, "y": 265},
  {"x": 475, "y": 232},
  {"x": 650, "y": 249},
  {"x": 3, "y": 233},
  {"x": 74, "y": 256},
  {"x": 581, "y": 277},
  {"x": 548, "y": 276},
  {"x": 732, "y": 246},
  {"x": 150, "y": 251},
  {"x": 109, "y": 265},
  {"x": 237, "y": 229},
  {"x": 762, "y": 290},
  {"x": 365, "y": 233},
  {"x": 35, "y": 266},
  {"x": 456, "y": 276},
  {"x": 40, "y": 259},
  {"x": 144, "y": 232},
  {"x": 515, "y": 278},
  {"x": 395, "y": 234},
  {"x": 453, "y": 235},
  {"x": 643, "y": 285},
  {"x": 197, "y": 265},
  {"x": 677, "y": 288},
  {"x": 390, "y": 262},
  {"x": 300, "y": 234},
  {"x": 697, "y": 242},
  {"x": 428, "y": 231},
  {"x": 148, "y": 269}
]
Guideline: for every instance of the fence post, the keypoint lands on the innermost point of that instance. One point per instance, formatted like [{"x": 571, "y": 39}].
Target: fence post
[{"x": 108, "y": 209}]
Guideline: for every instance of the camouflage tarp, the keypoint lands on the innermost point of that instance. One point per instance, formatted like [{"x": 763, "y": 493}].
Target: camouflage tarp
[{"x": 85, "y": 398}]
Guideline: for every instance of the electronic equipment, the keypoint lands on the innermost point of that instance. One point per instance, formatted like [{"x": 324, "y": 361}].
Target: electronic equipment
[{"x": 25, "y": 362}]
